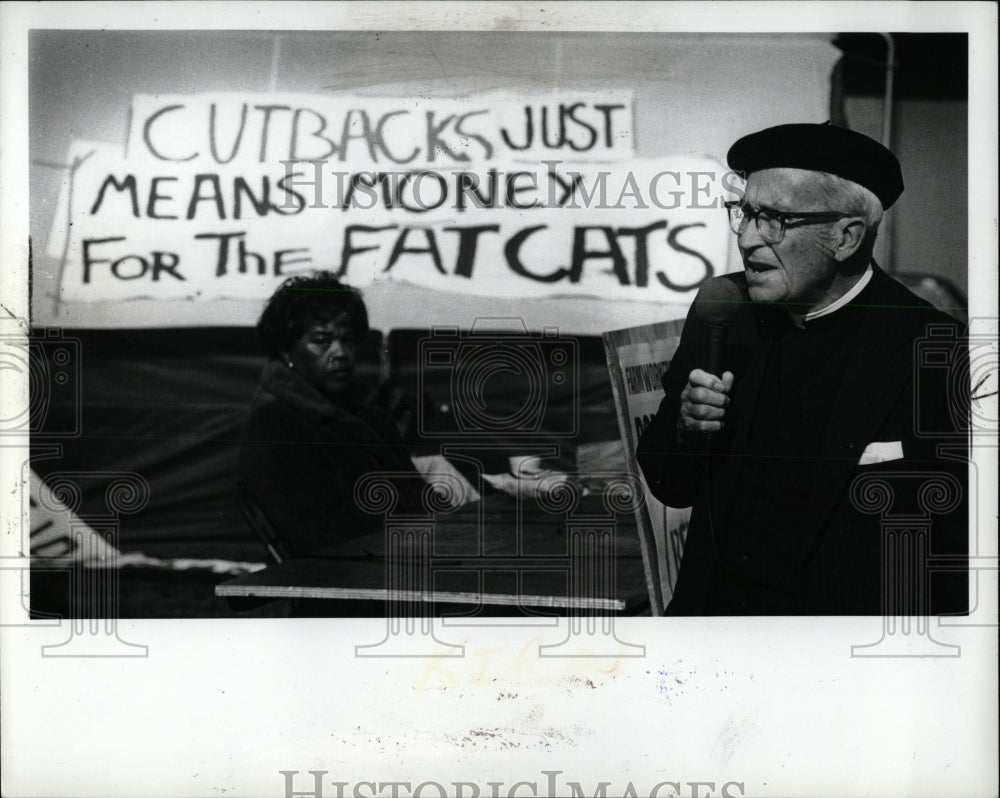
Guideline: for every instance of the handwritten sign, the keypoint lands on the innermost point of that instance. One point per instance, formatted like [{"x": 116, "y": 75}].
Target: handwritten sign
[
  {"x": 637, "y": 358},
  {"x": 226, "y": 195},
  {"x": 226, "y": 128}
]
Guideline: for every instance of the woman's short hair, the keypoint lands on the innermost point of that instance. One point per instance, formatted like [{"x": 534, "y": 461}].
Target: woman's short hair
[{"x": 301, "y": 301}]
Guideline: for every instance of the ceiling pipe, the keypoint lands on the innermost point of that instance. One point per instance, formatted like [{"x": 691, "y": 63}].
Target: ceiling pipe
[
  {"x": 887, "y": 101},
  {"x": 888, "y": 106}
]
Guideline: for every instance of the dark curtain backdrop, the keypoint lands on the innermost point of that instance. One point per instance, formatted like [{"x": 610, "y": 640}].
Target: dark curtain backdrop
[{"x": 169, "y": 405}]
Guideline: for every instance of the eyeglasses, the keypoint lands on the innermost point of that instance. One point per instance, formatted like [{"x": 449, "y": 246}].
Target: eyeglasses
[{"x": 771, "y": 224}]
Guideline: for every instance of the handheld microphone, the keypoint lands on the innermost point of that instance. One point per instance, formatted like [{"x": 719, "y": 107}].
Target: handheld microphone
[{"x": 717, "y": 304}]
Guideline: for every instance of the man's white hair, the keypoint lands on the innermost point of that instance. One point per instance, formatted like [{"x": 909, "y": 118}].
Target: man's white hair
[{"x": 847, "y": 196}]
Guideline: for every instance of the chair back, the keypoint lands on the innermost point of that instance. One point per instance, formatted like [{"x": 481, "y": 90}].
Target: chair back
[{"x": 277, "y": 547}]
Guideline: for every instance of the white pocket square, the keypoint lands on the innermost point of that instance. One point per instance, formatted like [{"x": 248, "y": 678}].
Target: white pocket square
[{"x": 881, "y": 452}]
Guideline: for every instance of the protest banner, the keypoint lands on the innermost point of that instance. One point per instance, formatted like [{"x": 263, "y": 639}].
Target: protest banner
[{"x": 225, "y": 195}]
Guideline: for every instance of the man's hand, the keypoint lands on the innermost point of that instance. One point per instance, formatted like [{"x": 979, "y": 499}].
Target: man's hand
[{"x": 703, "y": 405}]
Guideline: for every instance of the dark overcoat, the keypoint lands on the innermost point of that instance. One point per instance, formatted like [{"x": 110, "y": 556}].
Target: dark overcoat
[
  {"x": 905, "y": 382},
  {"x": 303, "y": 455}
]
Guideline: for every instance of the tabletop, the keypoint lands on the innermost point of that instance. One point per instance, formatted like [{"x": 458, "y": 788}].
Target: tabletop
[{"x": 549, "y": 555}]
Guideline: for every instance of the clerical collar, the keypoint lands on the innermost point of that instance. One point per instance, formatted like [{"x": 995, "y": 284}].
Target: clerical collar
[{"x": 800, "y": 319}]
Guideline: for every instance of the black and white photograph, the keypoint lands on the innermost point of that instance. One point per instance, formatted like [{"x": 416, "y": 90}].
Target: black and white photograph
[{"x": 499, "y": 399}]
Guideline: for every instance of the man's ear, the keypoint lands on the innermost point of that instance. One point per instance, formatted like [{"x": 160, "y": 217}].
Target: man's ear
[{"x": 850, "y": 236}]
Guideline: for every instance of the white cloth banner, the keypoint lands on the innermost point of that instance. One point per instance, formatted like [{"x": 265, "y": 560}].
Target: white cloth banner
[
  {"x": 180, "y": 214},
  {"x": 209, "y": 130}
]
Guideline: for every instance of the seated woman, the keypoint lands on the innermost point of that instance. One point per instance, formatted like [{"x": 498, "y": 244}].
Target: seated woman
[{"x": 313, "y": 431}]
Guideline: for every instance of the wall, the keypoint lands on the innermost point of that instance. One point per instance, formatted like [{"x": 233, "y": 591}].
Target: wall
[{"x": 929, "y": 226}]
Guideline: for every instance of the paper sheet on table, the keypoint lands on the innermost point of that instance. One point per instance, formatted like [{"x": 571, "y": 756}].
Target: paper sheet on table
[
  {"x": 528, "y": 485},
  {"x": 435, "y": 468}
]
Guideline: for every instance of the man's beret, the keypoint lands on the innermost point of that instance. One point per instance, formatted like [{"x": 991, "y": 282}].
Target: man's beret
[{"x": 821, "y": 148}]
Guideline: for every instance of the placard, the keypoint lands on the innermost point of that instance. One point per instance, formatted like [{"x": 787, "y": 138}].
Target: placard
[
  {"x": 637, "y": 358},
  {"x": 225, "y": 195}
]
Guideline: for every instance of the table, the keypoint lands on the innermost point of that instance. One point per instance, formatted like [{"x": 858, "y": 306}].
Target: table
[{"x": 500, "y": 554}]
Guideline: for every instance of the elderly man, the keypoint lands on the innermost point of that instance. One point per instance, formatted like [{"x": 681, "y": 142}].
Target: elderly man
[{"x": 818, "y": 390}]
